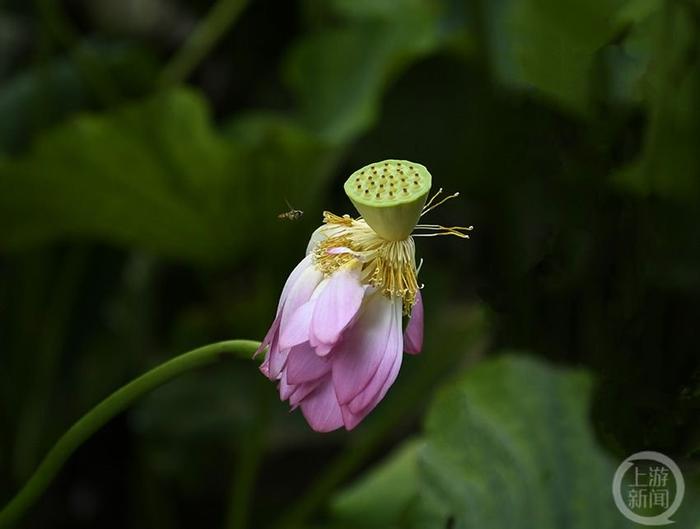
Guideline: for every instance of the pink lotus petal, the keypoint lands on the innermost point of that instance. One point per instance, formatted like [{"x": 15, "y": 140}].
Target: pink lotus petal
[
  {"x": 300, "y": 293},
  {"x": 350, "y": 419},
  {"x": 302, "y": 391},
  {"x": 390, "y": 379},
  {"x": 352, "y": 415},
  {"x": 358, "y": 355},
  {"x": 321, "y": 408},
  {"x": 305, "y": 263},
  {"x": 288, "y": 286},
  {"x": 322, "y": 349},
  {"x": 296, "y": 330},
  {"x": 390, "y": 363},
  {"x": 286, "y": 390},
  {"x": 413, "y": 336},
  {"x": 320, "y": 234},
  {"x": 337, "y": 306},
  {"x": 268, "y": 337},
  {"x": 276, "y": 359},
  {"x": 304, "y": 365},
  {"x": 342, "y": 249},
  {"x": 296, "y": 393},
  {"x": 336, "y": 345},
  {"x": 265, "y": 368}
]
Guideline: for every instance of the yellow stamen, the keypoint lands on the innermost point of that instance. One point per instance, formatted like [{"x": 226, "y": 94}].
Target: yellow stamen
[
  {"x": 388, "y": 266},
  {"x": 430, "y": 206},
  {"x": 457, "y": 231}
]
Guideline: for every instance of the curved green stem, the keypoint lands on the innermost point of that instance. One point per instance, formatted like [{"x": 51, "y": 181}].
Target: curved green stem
[
  {"x": 117, "y": 402},
  {"x": 202, "y": 39}
]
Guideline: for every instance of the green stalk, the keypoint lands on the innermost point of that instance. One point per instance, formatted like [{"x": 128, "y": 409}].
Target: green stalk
[
  {"x": 107, "y": 409},
  {"x": 202, "y": 39}
]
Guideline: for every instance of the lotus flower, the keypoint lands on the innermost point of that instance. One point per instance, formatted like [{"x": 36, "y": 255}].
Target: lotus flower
[{"x": 337, "y": 341}]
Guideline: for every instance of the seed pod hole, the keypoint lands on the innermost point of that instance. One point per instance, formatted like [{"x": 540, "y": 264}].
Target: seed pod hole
[{"x": 375, "y": 178}]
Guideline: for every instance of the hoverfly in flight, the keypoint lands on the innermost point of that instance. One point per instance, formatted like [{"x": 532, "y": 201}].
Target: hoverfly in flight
[{"x": 292, "y": 214}]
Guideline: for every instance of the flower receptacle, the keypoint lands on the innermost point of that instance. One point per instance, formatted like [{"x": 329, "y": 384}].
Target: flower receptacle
[{"x": 390, "y": 196}]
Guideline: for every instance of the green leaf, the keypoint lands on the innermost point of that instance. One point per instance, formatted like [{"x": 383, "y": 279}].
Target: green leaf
[
  {"x": 625, "y": 65},
  {"x": 134, "y": 176},
  {"x": 43, "y": 95},
  {"x": 510, "y": 445},
  {"x": 283, "y": 161},
  {"x": 669, "y": 165},
  {"x": 550, "y": 45},
  {"x": 339, "y": 74},
  {"x": 156, "y": 175},
  {"x": 379, "y": 499},
  {"x": 636, "y": 11}
]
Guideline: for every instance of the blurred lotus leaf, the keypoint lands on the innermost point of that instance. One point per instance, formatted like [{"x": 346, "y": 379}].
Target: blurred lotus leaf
[
  {"x": 379, "y": 499},
  {"x": 148, "y": 175},
  {"x": 156, "y": 175},
  {"x": 339, "y": 74},
  {"x": 668, "y": 165},
  {"x": 549, "y": 45},
  {"x": 510, "y": 445},
  {"x": 55, "y": 89},
  {"x": 507, "y": 445}
]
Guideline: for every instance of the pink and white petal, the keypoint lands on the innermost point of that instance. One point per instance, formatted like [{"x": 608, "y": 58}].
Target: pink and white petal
[
  {"x": 342, "y": 249},
  {"x": 304, "y": 365},
  {"x": 321, "y": 234},
  {"x": 296, "y": 274},
  {"x": 305, "y": 263},
  {"x": 337, "y": 305},
  {"x": 269, "y": 367},
  {"x": 276, "y": 358},
  {"x": 387, "y": 384},
  {"x": 271, "y": 333},
  {"x": 358, "y": 355},
  {"x": 297, "y": 328},
  {"x": 413, "y": 336},
  {"x": 321, "y": 408},
  {"x": 300, "y": 293},
  {"x": 356, "y": 406},
  {"x": 390, "y": 364}
]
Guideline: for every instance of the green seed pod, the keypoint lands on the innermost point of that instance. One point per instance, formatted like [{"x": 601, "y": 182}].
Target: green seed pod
[{"x": 390, "y": 196}]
